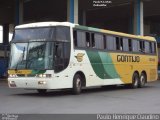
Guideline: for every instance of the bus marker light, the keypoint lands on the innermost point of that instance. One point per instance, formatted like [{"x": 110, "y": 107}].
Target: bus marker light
[
  {"x": 41, "y": 82},
  {"x": 44, "y": 75},
  {"x": 13, "y": 75}
]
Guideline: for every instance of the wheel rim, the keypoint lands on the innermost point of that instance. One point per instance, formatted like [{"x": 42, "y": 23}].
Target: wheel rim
[
  {"x": 136, "y": 81},
  {"x": 142, "y": 80},
  {"x": 78, "y": 83}
]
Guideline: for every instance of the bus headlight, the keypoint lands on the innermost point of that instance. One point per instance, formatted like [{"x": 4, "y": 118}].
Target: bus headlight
[
  {"x": 44, "y": 75},
  {"x": 12, "y": 75},
  {"x": 41, "y": 82},
  {"x": 12, "y": 84}
]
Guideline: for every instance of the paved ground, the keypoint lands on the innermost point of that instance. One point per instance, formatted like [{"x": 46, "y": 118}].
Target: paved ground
[{"x": 97, "y": 100}]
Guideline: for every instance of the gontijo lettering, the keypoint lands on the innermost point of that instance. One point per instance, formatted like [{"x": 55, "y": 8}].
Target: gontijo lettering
[{"x": 127, "y": 58}]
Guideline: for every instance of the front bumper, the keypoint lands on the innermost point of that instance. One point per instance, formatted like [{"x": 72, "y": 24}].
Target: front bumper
[{"x": 30, "y": 83}]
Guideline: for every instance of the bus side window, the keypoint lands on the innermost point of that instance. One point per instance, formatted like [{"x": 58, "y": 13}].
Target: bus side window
[
  {"x": 88, "y": 39},
  {"x": 135, "y": 45},
  {"x": 111, "y": 42},
  {"x": 119, "y": 43},
  {"x": 147, "y": 47},
  {"x": 125, "y": 44},
  {"x": 81, "y": 40},
  {"x": 150, "y": 47},
  {"x": 141, "y": 46},
  {"x": 130, "y": 44},
  {"x": 99, "y": 42},
  {"x": 75, "y": 38},
  {"x": 92, "y": 40},
  {"x": 153, "y": 48}
]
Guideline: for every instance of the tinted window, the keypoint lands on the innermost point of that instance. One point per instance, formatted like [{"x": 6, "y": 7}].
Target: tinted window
[
  {"x": 99, "y": 42},
  {"x": 119, "y": 43},
  {"x": 150, "y": 47},
  {"x": 125, "y": 44},
  {"x": 147, "y": 48},
  {"x": 62, "y": 34},
  {"x": 88, "y": 44},
  {"x": 32, "y": 34},
  {"x": 135, "y": 46},
  {"x": 141, "y": 46},
  {"x": 62, "y": 55},
  {"x": 75, "y": 38},
  {"x": 111, "y": 42},
  {"x": 130, "y": 44},
  {"x": 81, "y": 39},
  {"x": 153, "y": 47},
  {"x": 92, "y": 40}
]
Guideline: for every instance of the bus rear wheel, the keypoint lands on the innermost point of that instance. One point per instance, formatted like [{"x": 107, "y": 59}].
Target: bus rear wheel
[
  {"x": 42, "y": 91},
  {"x": 142, "y": 80},
  {"x": 135, "y": 80},
  {"x": 77, "y": 84}
]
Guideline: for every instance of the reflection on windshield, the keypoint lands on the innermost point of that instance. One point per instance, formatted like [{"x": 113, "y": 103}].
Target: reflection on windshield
[
  {"x": 18, "y": 55},
  {"x": 36, "y": 55},
  {"x": 39, "y": 55},
  {"x": 40, "y": 48}
]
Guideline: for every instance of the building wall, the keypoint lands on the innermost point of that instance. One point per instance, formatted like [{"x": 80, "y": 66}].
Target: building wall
[{"x": 1, "y": 34}]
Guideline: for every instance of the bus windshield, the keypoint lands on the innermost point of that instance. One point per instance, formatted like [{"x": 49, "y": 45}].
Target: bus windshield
[{"x": 39, "y": 48}]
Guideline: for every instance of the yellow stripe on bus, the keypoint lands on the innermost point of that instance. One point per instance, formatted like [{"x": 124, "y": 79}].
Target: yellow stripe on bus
[{"x": 19, "y": 71}]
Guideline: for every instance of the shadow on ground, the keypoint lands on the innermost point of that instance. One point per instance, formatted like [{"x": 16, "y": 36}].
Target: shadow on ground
[{"x": 68, "y": 92}]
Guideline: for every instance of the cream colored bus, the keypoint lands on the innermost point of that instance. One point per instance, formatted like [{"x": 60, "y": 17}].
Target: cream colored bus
[{"x": 60, "y": 55}]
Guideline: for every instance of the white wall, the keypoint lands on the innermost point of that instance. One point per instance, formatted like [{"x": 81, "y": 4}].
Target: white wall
[{"x": 1, "y": 34}]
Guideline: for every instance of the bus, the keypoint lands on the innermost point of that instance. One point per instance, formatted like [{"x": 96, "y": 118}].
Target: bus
[{"x": 61, "y": 55}]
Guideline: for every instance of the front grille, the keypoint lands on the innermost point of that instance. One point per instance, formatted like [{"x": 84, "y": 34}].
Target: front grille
[
  {"x": 21, "y": 75},
  {"x": 31, "y": 75}
]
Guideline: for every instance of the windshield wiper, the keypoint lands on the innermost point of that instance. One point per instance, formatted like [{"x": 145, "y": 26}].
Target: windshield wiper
[{"x": 23, "y": 54}]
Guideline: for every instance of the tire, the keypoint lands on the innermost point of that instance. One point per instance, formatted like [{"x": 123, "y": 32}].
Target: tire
[
  {"x": 42, "y": 91},
  {"x": 135, "y": 80},
  {"x": 142, "y": 80},
  {"x": 77, "y": 84}
]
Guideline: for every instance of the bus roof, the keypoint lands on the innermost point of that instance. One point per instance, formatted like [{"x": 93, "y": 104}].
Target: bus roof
[{"x": 44, "y": 24}]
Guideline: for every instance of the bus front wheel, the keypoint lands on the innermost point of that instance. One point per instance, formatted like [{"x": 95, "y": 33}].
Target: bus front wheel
[{"x": 77, "y": 84}]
